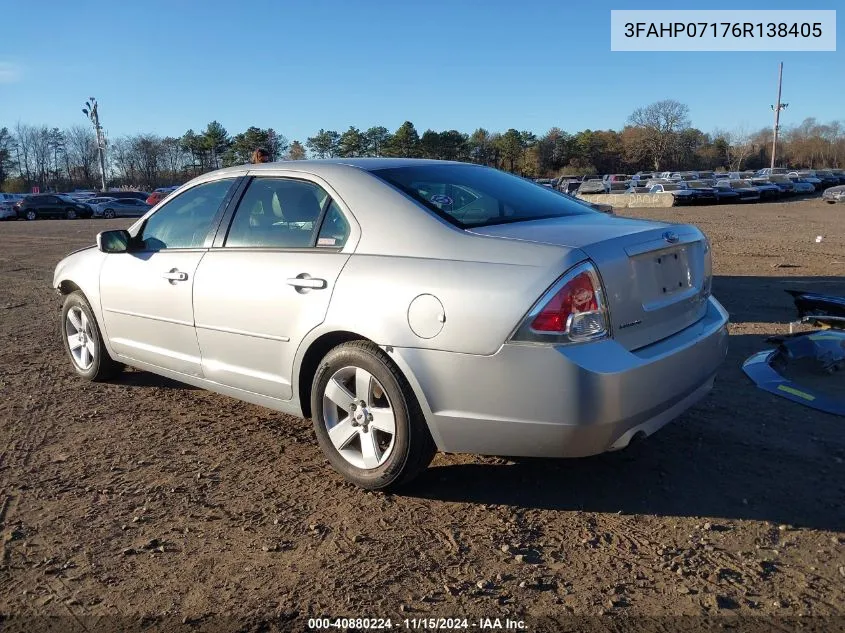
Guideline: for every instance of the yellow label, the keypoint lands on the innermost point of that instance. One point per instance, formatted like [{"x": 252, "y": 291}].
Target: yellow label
[{"x": 796, "y": 392}]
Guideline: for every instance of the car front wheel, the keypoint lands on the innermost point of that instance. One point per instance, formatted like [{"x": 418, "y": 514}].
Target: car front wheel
[
  {"x": 108, "y": 214},
  {"x": 83, "y": 341},
  {"x": 31, "y": 215},
  {"x": 366, "y": 418},
  {"x": 70, "y": 214}
]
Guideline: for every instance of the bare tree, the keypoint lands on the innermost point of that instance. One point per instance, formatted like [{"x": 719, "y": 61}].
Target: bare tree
[
  {"x": 740, "y": 145},
  {"x": 23, "y": 140},
  {"x": 57, "y": 149},
  {"x": 81, "y": 146},
  {"x": 661, "y": 122},
  {"x": 148, "y": 149},
  {"x": 174, "y": 158},
  {"x": 122, "y": 160}
]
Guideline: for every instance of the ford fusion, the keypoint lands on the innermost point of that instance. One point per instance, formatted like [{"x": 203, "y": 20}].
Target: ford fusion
[{"x": 406, "y": 307}]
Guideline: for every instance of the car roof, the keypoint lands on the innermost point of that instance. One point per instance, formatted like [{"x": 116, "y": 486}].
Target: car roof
[{"x": 326, "y": 165}]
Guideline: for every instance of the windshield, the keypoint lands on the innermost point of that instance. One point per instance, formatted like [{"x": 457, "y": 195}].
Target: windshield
[
  {"x": 698, "y": 184},
  {"x": 740, "y": 184},
  {"x": 470, "y": 196}
]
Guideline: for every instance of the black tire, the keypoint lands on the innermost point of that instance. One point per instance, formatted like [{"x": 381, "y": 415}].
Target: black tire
[
  {"x": 70, "y": 214},
  {"x": 103, "y": 366},
  {"x": 413, "y": 447},
  {"x": 31, "y": 214},
  {"x": 108, "y": 214}
]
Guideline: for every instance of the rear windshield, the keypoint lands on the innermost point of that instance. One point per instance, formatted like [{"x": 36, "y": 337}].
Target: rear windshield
[{"x": 470, "y": 196}]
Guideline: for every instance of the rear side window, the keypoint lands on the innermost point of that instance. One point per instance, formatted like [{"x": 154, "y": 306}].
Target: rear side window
[
  {"x": 277, "y": 213},
  {"x": 469, "y": 195}
]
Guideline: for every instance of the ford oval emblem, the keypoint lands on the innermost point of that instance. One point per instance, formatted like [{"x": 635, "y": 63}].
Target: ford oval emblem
[{"x": 671, "y": 237}]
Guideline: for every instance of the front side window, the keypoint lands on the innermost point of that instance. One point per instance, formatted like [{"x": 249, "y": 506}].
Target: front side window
[
  {"x": 277, "y": 213},
  {"x": 470, "y": 196},
  {"x": 184, "y": 221}
]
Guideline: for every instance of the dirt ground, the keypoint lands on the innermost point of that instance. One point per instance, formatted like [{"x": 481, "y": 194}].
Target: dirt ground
[{"x": 144, "y": 498}]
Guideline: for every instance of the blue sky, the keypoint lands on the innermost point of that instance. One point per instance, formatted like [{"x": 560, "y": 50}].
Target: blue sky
[{"x": 164, "y": 67}]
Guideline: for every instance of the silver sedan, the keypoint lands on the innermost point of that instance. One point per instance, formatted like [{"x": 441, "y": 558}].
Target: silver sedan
[
  {"x": 406, "y": 307},
  {"x": 119, "y": 207}
]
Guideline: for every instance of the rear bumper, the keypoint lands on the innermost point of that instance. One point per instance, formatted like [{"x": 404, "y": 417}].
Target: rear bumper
[{"x": 568, "y": 401}]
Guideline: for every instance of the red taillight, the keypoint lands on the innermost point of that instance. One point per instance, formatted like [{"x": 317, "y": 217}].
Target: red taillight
[
  {"x": 577, "y": 295},
  {"x": 571, "y": 311}
]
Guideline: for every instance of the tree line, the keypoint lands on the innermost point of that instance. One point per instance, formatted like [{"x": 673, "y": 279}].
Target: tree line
[{"x": 656, "y": 137}]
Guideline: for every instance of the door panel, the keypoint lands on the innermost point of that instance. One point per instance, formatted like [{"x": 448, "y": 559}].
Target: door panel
[
  {"x": 146, "y": 294},
  {"x": 148, "y": 317},
  {"x": 250, "y": 320}
]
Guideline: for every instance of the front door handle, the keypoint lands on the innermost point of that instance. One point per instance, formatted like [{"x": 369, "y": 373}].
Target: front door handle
[
  {"x": 307, "y": 282},
  {"x": 175, "y": 275}
]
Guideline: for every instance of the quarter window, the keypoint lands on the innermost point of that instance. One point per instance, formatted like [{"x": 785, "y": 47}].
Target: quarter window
[
  {"x": 184, "y": 221},
  {"x": 335, "y": 229}
]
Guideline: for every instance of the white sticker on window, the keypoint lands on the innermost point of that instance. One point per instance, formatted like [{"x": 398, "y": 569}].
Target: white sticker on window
[{"x": 326, "y": 241}]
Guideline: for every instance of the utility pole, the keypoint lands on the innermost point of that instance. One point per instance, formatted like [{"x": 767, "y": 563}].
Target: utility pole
[
  {"x": 90, "y": 110},
  {"x": 777, "y": 108}
]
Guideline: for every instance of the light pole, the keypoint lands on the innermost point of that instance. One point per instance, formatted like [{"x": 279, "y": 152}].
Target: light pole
[
  {"x": 780, "y": 106},
  {"x": 90, "y": 110}
]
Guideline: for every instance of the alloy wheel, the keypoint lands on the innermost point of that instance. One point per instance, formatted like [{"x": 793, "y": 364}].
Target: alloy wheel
[
  {"x": 359, "y": 418},
  {"x": 80, "y": 338}
]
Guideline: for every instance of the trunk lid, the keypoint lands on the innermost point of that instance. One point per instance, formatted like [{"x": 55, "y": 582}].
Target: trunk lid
[{"x": 655, "y": 275}]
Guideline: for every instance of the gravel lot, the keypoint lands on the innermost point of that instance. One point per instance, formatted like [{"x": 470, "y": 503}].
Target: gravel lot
[{"x": 145, "y": 498}]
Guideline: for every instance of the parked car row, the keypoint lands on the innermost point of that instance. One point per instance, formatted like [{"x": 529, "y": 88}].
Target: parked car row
[
  {"x": 74, "y": 205},
  {"x": 708, "y": 187}
]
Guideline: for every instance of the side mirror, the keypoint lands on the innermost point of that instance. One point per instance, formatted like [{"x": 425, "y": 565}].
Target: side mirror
[{"x": 114, "y": 241}]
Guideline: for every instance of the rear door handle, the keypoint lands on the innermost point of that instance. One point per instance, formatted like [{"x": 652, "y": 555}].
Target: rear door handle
[
  {"x": 307, "y": 282},
  {"x": 175, "y": 275}
]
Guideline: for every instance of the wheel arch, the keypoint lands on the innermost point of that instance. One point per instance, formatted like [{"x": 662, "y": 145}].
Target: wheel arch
[
  {"x": 314, "y": 353},
  {"x": 317, "y": 349},
  {"x": 66, "y": 286}
]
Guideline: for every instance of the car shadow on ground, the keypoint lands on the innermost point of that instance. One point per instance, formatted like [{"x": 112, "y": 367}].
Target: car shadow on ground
[
  {"x": 140, "y": 378},
  {"x": 741, "y": 453}
]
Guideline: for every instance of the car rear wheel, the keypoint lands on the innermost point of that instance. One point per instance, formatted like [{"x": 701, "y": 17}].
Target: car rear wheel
[
  {"x": 31, "y": 215},
  {"x": 70, "y": 214},
  {"x": 84, "y": 342},
  {"x": 108, "y": 214},
  {"x": 366, "y": 418}
]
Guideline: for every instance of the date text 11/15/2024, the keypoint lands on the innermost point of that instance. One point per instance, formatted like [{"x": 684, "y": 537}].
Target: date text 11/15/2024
[{"x": 411, "y": 624}]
